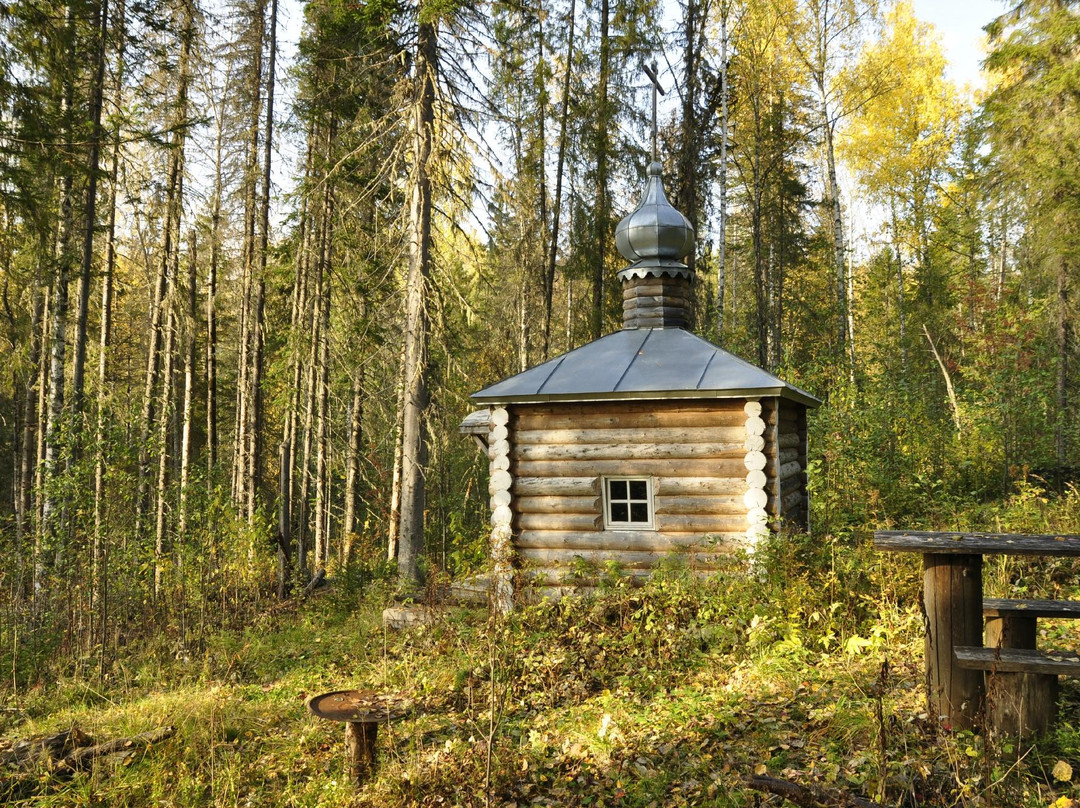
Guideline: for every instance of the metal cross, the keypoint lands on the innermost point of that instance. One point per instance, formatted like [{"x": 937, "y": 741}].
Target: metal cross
[{"x": 650, "y": 71}]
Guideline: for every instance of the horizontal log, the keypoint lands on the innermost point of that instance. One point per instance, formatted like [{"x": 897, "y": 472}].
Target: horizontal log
[
  {"x": 788, "y": 455},
  {"x": 560, "y": 521},
  {"x": 629, "y": 559},
  {"x": 702, "y": 523},
  {"x": 785, "y": 419},
  {"x": 698, "y": 486},
  {"x": 622, "y": 540},
  {"x": 628, "y": 451},
  {"x": 792, "y": 501},
  {"x": 789, "y": 469},
  {"x": 608, "y": 415},
  {"x": 556, "y": 486},
  {"x": 791, "y": 484},
  {"x": 656, "y": 467},
  {"x": 633, "y": 435},
  {"x": 590, "y": 503},
  {"x": 705, "y": 505},
  {"x": 789, "y": 440}
]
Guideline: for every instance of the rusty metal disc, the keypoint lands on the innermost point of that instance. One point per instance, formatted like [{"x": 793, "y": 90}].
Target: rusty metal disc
[{"x": 359, "y": 706}]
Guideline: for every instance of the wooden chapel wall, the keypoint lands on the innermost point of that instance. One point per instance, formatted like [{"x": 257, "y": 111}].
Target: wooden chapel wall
[{"x": 692, "y": 450}]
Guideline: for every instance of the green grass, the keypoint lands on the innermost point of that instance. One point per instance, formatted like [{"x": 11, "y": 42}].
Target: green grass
[{"x": 668, "y": 695}]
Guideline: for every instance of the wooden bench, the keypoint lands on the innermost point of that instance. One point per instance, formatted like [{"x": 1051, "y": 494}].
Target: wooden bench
[
  {"x": 1021, "y": 684},
  {"x": 954, "y": 606}
]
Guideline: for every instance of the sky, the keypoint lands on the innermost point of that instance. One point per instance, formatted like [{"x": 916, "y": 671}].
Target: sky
[{"x": 960, "y": 24}]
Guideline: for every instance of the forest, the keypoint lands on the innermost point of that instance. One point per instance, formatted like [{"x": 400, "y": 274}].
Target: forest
[{"x": 247, "y": 285}]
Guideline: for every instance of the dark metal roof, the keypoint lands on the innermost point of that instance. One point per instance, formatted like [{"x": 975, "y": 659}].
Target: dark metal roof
[{"x": 643, "y": 363}]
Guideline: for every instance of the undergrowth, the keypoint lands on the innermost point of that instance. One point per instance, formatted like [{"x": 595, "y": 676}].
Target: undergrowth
[{"x": 804, "y": 664}]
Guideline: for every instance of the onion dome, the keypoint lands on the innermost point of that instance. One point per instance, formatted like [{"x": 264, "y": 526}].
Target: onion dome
[{"x": 655, "y": 236}]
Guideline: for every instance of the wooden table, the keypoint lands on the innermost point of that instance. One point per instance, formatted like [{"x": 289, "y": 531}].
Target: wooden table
[{"x": 953, "y": 599}]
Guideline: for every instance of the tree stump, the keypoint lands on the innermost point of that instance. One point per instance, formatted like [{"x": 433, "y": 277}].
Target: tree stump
[{"x": 361, "y": 711}]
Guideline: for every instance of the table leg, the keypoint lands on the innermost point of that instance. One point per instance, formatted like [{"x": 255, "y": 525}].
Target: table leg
[{"x": 952, "y": 597}]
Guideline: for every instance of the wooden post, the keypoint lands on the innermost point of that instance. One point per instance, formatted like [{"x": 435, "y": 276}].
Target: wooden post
[
  {"x": 1018, "y": 703},
  {"x": 360, "y": 737},
  {"x": 952, "y": 597}
]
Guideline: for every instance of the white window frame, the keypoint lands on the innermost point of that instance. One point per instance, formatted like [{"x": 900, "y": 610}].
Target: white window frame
[{"x": 609, "y": 523}]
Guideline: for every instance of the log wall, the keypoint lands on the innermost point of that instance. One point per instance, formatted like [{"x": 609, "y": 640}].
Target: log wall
[
  {"x": 693, "y": 451},
  {"x": 791, "y": 492}
]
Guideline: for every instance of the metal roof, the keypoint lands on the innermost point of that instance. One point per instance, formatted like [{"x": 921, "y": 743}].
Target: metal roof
[{"x": 642, "y": 363}]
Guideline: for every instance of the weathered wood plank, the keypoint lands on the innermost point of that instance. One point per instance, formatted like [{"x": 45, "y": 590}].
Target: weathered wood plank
[
  {"x": 916, "y": 541},
  {"x": 621, "y": 540},
  {"x": 1000, "y": 607},
  {"x": 616, "y": 435},
  {"x": 1018, "y": 660}
]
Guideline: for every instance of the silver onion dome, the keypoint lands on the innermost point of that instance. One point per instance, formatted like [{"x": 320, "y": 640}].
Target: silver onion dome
[{"x": 654, "y": 236}]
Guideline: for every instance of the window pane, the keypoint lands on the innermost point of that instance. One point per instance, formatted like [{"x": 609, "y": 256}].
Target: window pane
[
  {"x": 639, "y": 512},
  {"x": 619, "y": 512},
  {"x": 618, "y": 489},
  {"x": 639, "y": 489}
]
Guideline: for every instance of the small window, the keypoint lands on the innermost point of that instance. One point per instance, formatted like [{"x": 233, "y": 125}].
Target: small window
[{"x": 628, "y": 502}]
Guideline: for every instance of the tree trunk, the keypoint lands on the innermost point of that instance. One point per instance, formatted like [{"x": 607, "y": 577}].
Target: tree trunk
[
  {"x": 1064, "y": 419},
  {"x": 190, "y": 323},
  {"x": 24, "y": 501},
  {"x": 322, "y": 441},
  {"x": 414, "y": 367},
  {"x": 243, "y": 441},
  {"x": 160, "y": 525},
  {"x": 39, "y": 447},
  {"x": 173, "y": 208},
  {"x": 97, "y": 92},
  {"x": 255, "y": 449},
  {"x": 553, "y": 241},
  {"x": 722, "y": 172},
  {"x": 65, "y": 256},
  {"x": 99, "y": 561},
  {"x": 600, "y": 212},
  {"x": 352, "y": 469}
]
